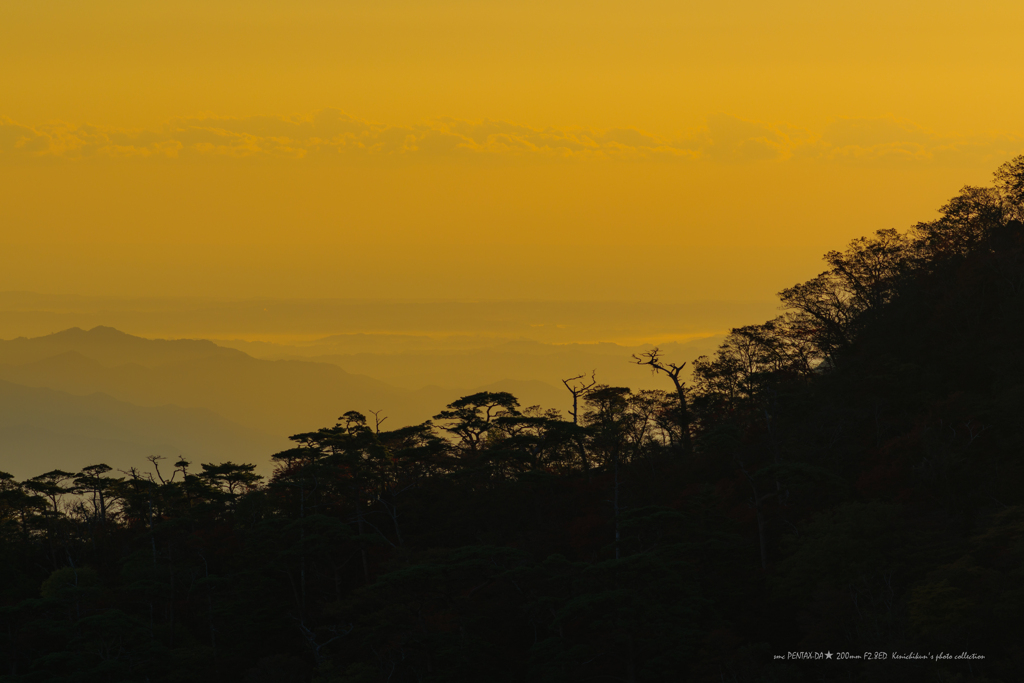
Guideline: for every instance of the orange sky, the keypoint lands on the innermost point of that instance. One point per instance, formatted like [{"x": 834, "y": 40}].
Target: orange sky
[{"x": 465, "y": 148}]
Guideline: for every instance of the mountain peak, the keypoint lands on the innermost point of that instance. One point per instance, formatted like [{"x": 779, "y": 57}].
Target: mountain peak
[{"x": 109, "y": 346}]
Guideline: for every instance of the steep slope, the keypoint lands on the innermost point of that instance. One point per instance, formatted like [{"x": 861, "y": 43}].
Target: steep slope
[{"x": 853, "y": 486}]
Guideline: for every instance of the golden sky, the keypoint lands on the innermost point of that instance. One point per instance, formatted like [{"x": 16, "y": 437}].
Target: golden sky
[{"x": 467, "y": 148}]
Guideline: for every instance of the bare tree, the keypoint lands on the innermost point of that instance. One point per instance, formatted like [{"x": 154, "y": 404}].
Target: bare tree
[
  {"x": 378, "y": 420},
  {"x": 578, "y": 390},
  {"x": 653, "y": 359}
]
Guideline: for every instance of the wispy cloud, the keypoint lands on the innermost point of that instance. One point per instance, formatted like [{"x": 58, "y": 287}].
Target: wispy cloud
[{"x": 333, "y": 134}]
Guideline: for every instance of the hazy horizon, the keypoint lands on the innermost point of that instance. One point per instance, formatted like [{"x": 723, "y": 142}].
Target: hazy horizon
[
  {"x": 116, "y": 398},
  {"x": 289, "y": 321},
  {"x": 450, "y": 195}
]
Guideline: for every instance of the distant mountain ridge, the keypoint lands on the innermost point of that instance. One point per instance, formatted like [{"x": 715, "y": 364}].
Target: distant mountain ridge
[
  {"x": 108, "y": 347},
  {"x": 269, "y": 398},
  {"x": 281, "y": 397},
  {"x": 252, "y": 404},
  {"x": 42, "y": 429}
]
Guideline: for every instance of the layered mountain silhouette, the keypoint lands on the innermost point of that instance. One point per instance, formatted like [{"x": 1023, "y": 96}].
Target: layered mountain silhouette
[
  {"x": 42, "y": 429},
  {"x": 78, "y": 396},
  {"x": 276, "y": 397},
  {"x": 108, "y": 346}
]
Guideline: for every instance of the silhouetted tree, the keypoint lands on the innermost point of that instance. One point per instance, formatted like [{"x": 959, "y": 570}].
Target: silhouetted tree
[{"x": 674, "y": 371}]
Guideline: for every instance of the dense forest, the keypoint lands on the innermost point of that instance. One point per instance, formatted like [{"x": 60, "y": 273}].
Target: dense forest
[{"x": 847, "y": 478}]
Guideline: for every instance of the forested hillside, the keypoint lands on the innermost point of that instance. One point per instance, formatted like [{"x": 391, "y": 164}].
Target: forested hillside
[{"x": 846, "y": 478}]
